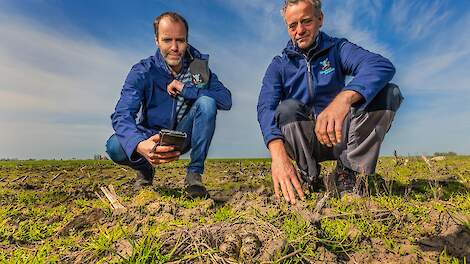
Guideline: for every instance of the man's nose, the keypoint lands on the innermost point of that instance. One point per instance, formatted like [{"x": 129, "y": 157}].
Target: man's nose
[
  {"x": 174, "y": 46},
  {"x": 300, "y": 29}
]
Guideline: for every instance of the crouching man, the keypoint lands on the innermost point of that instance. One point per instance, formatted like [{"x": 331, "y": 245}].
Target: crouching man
[
  {"x": 308, "y": 114},
  {"x": 174, "y": 89}
]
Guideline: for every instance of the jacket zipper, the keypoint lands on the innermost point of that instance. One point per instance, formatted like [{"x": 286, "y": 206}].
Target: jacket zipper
[
  {"x": 173, "y": 110},
  {"x": 311, "y": 90}
]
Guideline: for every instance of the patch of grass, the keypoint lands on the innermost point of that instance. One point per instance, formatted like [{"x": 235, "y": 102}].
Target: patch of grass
[
  {"x": 461, "y": 202},
  {"x": 27, "y": 197},
  {"x": 223, "y": 213},
  {"x": 105, "y": 239},
  {"x": 23, "y": 255},
  {"x": 445, "y": 258},
  {"x": 371, "y": 228},
  {"x": 294, "y": 226},
  {"x": 189, "y": 203},
  {"x": 148, "y": 250},
  {"x": 145, "y": 196},
  {"x": 31, "y": 231},
  {"x": 156, "y": 228}
]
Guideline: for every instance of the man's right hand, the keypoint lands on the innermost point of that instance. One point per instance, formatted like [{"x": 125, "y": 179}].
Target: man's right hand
[
  {"x": 159, "y": 154},
  {"x": 283, "y": 172}
]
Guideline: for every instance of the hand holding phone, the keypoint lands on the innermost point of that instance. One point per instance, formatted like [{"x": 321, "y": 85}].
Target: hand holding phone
[
  {"x": 155, "y": 153},
  {"x": 172, "y": 138}
]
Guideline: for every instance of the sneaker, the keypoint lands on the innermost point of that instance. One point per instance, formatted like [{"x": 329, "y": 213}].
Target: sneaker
[{"x": 144, "y": 179}]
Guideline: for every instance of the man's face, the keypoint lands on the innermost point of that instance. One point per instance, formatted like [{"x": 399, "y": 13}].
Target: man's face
[
  {"x": 303, "y": 23},
  {"x": 172, "y": 42}
]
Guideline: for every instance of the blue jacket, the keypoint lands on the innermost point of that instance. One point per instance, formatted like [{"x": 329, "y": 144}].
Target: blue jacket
[
  {"x": 145, "y": 90},
  {"x": 316, "y": 79}
]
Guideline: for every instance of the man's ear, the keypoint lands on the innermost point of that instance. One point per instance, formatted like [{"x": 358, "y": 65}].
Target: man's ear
[
  {"x": 320, "y": 17},
  {"x": 156, "y": 41}
]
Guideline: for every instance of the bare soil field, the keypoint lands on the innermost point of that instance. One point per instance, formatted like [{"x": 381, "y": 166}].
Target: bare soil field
[{"x": 414, "y": 210}]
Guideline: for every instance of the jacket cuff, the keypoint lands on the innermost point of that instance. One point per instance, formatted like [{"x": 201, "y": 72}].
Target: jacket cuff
[
  {"x": 190, "y": 92},
  {"x": 363, "y": 92},
  {"x": 131, "y": 146},
  {"x": 270, "y": 138}
]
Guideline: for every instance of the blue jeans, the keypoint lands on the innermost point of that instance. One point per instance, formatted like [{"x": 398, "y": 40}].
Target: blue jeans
[{"x": 198, "y": 124}]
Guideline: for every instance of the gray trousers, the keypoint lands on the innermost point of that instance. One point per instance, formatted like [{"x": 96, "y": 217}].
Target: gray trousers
[{"x": 363, "y": 133}]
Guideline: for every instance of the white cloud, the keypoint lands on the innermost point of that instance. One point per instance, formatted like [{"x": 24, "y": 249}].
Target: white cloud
[
  {"x": 262, "y": 17},
  {"x": 418, "y": 19},
  {"x": 435, "y": 78},
  {"x": 342, "y": 19},
  {"x": 58, "y": 80},
  {"x": 442, "y": 65}
]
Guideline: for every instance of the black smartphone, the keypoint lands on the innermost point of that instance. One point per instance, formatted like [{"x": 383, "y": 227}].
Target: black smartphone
[{"x": 172, "y": 138}]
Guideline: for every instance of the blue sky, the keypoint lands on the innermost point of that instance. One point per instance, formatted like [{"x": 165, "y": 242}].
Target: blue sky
[{"x": 62, "y": 64}]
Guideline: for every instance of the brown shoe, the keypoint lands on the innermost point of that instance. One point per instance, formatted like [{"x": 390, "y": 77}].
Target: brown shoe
[
  {"x": 345, "y": 180},
  {"x": 313, "y": 181},
  {"x": 143, "y": 179},
  {"x": 329, "y": 181},
  {"x": 342, "y": 180},
  {"x": 197, "y": 191}
]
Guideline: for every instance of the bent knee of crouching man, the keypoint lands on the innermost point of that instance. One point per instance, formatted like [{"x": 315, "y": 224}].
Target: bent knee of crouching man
[
  {"x": 381, "y": 111},
  {"x": 206, "y": 105},
  {"x": 389, "y": 98},
  {"x": 291, "y": 110},
  {"x": 115, "y": 151}
]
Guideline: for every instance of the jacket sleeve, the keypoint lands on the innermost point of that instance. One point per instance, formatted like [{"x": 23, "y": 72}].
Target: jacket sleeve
[
  {"x": 371, "y": 71},
  {"x": 215, "y": 90},
  {"x": 268, "y": 100},
  {"x": 124, "y": 116}
]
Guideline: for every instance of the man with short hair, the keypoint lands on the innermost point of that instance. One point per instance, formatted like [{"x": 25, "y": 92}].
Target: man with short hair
[
  {"x": 307, "y": 112},
  {"x": 174, "y": 89}
]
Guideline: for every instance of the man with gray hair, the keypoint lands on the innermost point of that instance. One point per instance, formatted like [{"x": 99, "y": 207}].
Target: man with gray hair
[{"x": 307, "y": 113}]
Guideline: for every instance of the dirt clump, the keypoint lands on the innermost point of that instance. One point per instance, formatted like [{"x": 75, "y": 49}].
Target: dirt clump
[
  {"x": 231, "y": 245},
  {"x": 123, "y": 247},
  {"x": 82, "y": 221},
  {"x": 455, "y": 240}
]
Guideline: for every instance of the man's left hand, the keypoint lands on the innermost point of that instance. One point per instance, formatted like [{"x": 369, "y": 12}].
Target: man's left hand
[
  {"x": 175, "y": 88},
  {"x": 329, "y": 124}
]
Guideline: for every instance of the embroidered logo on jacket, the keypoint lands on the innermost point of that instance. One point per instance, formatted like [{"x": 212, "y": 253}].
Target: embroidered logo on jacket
[
  {"x": 197, "y": 78},
  {"x": 326, "y": 67}
]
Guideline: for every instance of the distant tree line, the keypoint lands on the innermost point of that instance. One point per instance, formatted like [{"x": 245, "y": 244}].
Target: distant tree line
[{"x": 449, "y": 153}]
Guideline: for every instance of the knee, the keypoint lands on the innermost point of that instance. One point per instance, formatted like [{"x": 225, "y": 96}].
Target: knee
[
  {"x": 206, "y": 105},
  {"x": 114, "y": 149},
  {"x": 291, "y": 110},
  {"x": 389, "y": 98}
]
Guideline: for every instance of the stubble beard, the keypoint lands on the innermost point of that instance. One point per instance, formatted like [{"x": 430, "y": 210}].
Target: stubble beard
[{"x": 173, "y": 62}]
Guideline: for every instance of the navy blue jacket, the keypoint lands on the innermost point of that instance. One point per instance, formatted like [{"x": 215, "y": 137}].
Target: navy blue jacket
[
  {"x": 145, "y": 91},
  {"x": 315, "y": 79}
]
